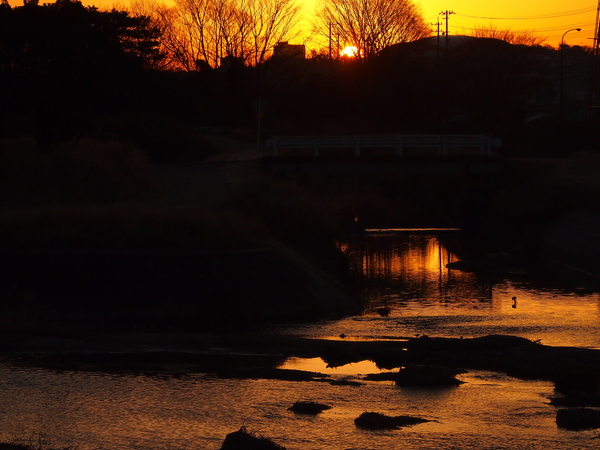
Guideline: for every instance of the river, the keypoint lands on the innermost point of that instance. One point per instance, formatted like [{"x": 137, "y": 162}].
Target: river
[{"x": 406, "y": 274}]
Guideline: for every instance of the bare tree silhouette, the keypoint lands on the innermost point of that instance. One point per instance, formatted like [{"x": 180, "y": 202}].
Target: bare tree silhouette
[
  {"x": 206, "y": 33},
  {"x": 370, "y": 26},
  {"x": 521, "y": 37},
  {"x": 161, "y": 18}
]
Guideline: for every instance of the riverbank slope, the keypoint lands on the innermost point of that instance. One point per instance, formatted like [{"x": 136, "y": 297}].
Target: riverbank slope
[{"x": 221, "y": 242}]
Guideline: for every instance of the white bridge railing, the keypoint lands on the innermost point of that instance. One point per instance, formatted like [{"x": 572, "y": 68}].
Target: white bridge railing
[{"x": 441, "y": 144}]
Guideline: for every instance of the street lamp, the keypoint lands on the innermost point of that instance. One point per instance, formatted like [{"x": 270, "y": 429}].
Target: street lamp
[{"x": 562, "y": 45}]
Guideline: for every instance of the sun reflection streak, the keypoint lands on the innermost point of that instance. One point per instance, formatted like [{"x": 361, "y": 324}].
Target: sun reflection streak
[
  {"x": 318, "y": 365},
  {"x": 407, "y": 276},
  {"x": 416, "y": 266}
]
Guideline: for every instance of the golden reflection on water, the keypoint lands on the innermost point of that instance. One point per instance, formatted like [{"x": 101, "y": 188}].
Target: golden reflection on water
[
  {"x": 399, "y": 269},
  {"x": 318, "y": 365},
  {"x": 408, "y": 290},
  {"x": 382, "y": 258}
]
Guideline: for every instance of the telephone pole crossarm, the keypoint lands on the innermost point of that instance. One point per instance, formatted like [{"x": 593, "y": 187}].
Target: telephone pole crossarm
[{"x": 446, "y": 15}]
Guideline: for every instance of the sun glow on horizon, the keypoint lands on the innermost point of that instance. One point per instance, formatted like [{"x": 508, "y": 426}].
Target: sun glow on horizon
[
  {"x": 549, "y": 19},
  {"x": 349, "y": 51}
]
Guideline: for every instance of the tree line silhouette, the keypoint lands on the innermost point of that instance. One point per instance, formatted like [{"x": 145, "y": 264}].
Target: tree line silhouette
[
  {"x": 197, "y": 34},
  {"x": 65, "y": 67},
  {"x": 64, "y": 58}
]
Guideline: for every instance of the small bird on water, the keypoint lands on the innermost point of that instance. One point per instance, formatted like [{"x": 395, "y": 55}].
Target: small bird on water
[{"x": 514, "y": 299}]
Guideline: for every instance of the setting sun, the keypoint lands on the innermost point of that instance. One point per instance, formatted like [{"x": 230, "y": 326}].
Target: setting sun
[{"x": 350, "y": 51}]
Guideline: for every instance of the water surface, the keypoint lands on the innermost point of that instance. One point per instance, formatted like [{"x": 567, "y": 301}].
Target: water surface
[{"x": 408, "y": 274}]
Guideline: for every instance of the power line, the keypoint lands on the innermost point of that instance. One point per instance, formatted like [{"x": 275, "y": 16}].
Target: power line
[
  {"x": 588, "y": 38},
  {"x": 553, "y": 32},
  {"x": 544, "y": 16},
  {"x": 586, "y": 26}
]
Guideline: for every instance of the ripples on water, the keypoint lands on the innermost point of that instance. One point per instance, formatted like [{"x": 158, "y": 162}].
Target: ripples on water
[
  {"x": 490, "y": 410},
  {"x": 95, "y": 411}
]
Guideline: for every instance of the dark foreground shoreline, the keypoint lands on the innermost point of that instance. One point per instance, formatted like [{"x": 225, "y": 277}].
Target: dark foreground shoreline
[
  {"x": 248, "y": 355},
  {"x": 80, "y": 291},
  {"x": 432, "y": 361}
]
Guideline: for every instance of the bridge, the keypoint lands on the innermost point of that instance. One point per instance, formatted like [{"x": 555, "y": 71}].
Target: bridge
[
  {"x": 441, "y": 145},
  {"x": 396, "y": 153}
]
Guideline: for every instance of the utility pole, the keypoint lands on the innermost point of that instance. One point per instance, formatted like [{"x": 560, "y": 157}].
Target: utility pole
[
  {"x": 330, "y": 52},
  {"x": 596, "y": 63},
  {"x": 443, "y": 82},
  {"x": 438, "y": 71},
  {"x": 438, "y": 31},
  {"x": 562, "y": 83},
  {"x": 447, "y": 14},
  {"x": 438, "y": 24}
]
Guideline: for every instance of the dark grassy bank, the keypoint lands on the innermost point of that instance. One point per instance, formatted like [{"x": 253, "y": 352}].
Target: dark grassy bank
[
  {"x": 95, "y": 235},
  {"x": 98, "y": 231}
]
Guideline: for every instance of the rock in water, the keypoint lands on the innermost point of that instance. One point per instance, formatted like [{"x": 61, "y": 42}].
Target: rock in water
[
  {"x": 304, "y": 407},
  {"x": 245, "y": 440},
  {"x": 578, "y": 418},
  {"x": 378, "y": 421}
]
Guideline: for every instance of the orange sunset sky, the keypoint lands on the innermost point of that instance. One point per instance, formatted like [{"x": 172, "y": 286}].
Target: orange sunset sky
[{"x": 549, "y": 18}]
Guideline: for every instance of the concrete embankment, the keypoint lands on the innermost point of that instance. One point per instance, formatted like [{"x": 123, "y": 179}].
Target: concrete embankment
[
  {"x": 572, "y": 242},
  {"x": 160, "y": 289},
  {"x": 456, "y": 166}
]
